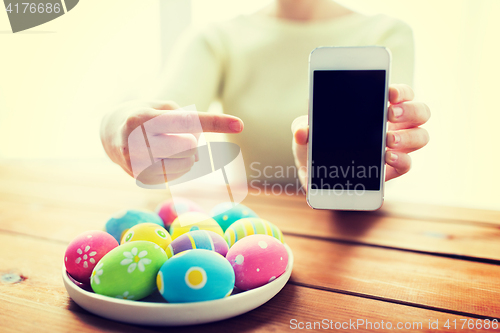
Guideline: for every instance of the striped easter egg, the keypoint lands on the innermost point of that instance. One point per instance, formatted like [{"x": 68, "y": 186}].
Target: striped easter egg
[
  {"x": 251, "y": 226},
  {"x": 192, "y": 221},
  {"x": 198, "y": 239}
]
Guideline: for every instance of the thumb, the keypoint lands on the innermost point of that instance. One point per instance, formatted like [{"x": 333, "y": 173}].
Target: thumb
[
  {"x": 140, "y": 111},
  {"x": 299, "y": 124},
  {"x": 300, "y": 130},
  {"x": 164, "y": 105}
]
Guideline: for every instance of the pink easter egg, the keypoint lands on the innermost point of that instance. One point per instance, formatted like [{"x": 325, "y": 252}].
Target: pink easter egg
[
  {"x": 170, "y": 209},
  {"x": 85, "y": 251},
  {"x": 257, "y": 260}
]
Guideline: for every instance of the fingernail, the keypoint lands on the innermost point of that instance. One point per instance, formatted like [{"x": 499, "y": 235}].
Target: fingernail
[
  {"x": 394, "y": 157},
  {"x": 298, "y": 123},
  {"x": 397, "y": 111},
  {"x": 235, "y": 126},
  {"x": 396, "y": 138}
]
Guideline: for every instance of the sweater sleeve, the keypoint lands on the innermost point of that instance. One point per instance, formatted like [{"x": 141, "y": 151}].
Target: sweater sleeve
[
  {"x": 192, "y": 74},
  {"x": 398, "y": 38}
]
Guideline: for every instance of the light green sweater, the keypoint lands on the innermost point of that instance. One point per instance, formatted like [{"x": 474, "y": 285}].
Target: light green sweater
[{"x": 257, "y": 67}]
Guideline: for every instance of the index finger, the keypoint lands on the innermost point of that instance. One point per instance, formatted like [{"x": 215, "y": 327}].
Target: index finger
[
  {"x": 400, "y": 93},
  {"x": 180, "y": 121}
]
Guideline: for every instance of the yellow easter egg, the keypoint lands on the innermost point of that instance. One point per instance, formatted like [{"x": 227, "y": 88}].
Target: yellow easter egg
[
  {"x": 251, "y": 226},
  {"x": 148, "y": 232},
  {"x": 192, "y": 221}
]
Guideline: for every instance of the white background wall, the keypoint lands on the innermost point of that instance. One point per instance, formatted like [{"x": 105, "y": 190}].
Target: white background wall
[{"x": 56, "y": 80}]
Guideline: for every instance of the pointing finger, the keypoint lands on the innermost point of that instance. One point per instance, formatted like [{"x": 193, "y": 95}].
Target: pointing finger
[{"x": 180, "y": 121}]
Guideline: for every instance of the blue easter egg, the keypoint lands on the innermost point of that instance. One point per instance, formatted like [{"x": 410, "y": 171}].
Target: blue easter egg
[
  {"x": 227, "y": 213},
  {"x": 119, "y": 223},
  {"x": 195, "y": 276}
]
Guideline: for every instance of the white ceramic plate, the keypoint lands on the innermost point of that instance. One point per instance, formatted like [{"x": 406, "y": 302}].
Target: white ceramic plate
[{"x": 153, "y": 310}]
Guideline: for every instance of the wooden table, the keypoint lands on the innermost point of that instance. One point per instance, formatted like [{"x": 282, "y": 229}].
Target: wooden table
[{"x": 405, "y": 263}]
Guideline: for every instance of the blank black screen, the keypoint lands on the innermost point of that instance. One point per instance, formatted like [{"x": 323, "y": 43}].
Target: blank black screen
[{"x": 347, "y": 131}]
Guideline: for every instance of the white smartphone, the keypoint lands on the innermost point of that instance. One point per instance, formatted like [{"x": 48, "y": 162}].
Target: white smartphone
[{"x": 348, "y": 98}]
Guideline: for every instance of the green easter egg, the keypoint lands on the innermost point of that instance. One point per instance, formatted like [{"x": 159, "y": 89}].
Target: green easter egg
[{"x": 128, "y": 271}]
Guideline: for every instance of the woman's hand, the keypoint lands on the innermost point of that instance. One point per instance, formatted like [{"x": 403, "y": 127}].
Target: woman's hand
[
  {"x": 403, "y": 136},
  {"x": 172, "y": 137}
]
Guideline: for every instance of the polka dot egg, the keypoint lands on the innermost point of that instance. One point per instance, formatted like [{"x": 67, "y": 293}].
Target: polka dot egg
[
  {"x": 169, "y": 210},
  {"x": 192, "y": 221},
  {"x": 128, "y": 271},
  {"x": 257, "y": 260},
  {"x": 198, "y": 239},
  {"x": 124, "y": 220},
  {"x": 251, "y": 226},
  {"x": 85, "y": 251},
  {"x": 227, "y": 213},
  {"x": 149, "y": 232},
  {"x": 195, "y": 276}
]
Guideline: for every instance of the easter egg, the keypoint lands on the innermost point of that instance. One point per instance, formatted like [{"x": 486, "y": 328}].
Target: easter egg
[
  {"x": 251, "y": 226},
  {"x": 198, "y": 239},
  {"x": 227, "y": 213},
  {"x": 170, "y": 209},
  {"x": 148, "y": 232},
  {"x": 257, "y": 260},
  {"x": 124, "y": 220},
  {"x": 194, "y": 276},
  {"x": 128, "y": 271},
  {"x": 85, "y": 251},
  {"x": 192, "y": 221}
]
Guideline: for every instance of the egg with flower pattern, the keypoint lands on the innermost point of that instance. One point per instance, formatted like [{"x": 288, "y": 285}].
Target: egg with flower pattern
[
  {"x": 195, "y": 276},
  {"x": 83, "y": 253},
  {"x": 128, "y": 271}
]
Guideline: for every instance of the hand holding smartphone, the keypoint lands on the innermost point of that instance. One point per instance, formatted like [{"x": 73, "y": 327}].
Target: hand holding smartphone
[{"x": 348, "y": 98}]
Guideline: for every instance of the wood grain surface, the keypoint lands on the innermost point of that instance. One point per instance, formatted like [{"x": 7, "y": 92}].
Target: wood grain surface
[{"x": 403, "y": 263}]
